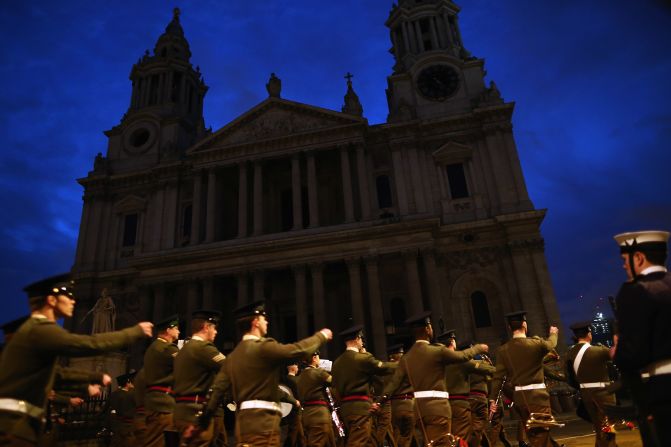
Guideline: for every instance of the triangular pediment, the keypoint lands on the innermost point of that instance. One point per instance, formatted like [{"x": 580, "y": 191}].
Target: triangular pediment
[
  {"x": 452, "y": 152},
  {"x": 130, "y": 204},
  {"x": 276, "y": 118}
]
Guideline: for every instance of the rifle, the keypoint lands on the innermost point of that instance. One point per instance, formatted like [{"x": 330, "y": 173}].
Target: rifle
[
  {"x": 498, "y": 398},
  {"x": 340, "y": 427}
]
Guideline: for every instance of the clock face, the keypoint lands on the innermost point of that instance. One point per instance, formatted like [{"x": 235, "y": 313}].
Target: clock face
[
  {"x": 139, "y": 137},
  {"x": 438, "y": 82}
]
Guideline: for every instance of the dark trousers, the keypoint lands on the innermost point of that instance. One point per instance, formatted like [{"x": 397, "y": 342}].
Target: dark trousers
[{"x": 358, "y": 429}]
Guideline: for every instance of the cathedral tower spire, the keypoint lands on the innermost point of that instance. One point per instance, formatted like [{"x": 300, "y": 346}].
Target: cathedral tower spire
[{"x": 165, "y": 115}]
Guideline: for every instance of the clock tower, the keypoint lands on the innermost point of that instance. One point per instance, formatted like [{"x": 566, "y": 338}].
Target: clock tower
[
  {"x": 434, "y": 75},
  {"x": 165, "y": 115}
]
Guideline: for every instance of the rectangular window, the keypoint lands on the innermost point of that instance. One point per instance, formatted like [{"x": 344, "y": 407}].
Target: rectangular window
[
  {"x": 129, "y": 230},
  {"x": 457, "y": 180},
  {"x": 186, "y": 221}
]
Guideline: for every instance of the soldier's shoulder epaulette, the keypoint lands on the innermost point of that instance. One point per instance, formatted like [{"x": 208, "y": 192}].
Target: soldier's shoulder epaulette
[
  {"x": 266, "y": 340},
  {"x": 535, "y": 337}
]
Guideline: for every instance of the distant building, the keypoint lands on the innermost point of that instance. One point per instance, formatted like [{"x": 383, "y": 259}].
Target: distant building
[
  {"x": 602, "y": 329},
  {"x": 330, "y": 219}
]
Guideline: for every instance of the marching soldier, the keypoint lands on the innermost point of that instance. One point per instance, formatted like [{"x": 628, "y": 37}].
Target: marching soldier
[
  {"x": 122, "y": 411},
  {"x": 28, "y": 362},
  {"x": 316, "y": 417},
  {"x": 158, "y": 366},
  {"x": 252, "y": 374},
  {"x": 194, "y": 370},
  {"x": 352, "y": 375},
  {"x": 381, "y": 423},
  {"x": 478, "y": 393},
  {"x": 139, "y": 419},
  {"x": 423, "y": 369},
  {"x": 402, "y": 405},
  {"x": 520, "y": 360},
  {"x": 643, "y": 350},
  {"x": 587, "y": 370},
  {"x": 293, "y": 430}
]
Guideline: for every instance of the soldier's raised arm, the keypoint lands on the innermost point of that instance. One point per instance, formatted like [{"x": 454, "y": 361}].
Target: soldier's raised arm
[{"x": 279, "y": 351}]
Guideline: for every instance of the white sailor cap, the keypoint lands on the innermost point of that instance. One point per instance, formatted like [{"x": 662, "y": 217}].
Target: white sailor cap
[{"x": 642, "y": 240}]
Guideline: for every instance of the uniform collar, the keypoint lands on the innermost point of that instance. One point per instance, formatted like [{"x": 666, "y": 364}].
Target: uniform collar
[
  {"x": 39, "y": 316},
  {"x": 519, "y": 336},
  {"x": 353, "y": 349},
  {"x": 653, "y": 269},
  {"x": 164, "y": 340},
  {"x": 422, "y": 341},
  {"x": 197, "y": 337},
  {"x": 250, "y": 337}
]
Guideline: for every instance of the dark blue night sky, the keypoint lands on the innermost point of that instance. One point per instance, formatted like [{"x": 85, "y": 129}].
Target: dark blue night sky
[{"x": 591, "y": 81}]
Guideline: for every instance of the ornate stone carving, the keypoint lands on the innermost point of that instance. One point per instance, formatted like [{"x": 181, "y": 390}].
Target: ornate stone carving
[
  {"x": 463, "y": 259},
  {"x": 527, "y": 244}
]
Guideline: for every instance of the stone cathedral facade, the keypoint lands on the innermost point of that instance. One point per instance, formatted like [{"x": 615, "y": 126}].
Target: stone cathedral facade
[{"x": 331, "y": 220}]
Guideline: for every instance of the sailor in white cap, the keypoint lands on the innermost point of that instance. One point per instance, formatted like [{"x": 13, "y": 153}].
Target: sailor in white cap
[{"x": 643, "y": 347}]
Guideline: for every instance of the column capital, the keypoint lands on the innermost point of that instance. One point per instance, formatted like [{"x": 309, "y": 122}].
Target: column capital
[
  {"x": 316, "y": 266},
  {"x": 371, "y": 259},
  {"x": 427, "y": 252},
  {"x": 409, "y": 253},
  {"x": 353, "y": 261},
  {"x": 298, "y": 268}
]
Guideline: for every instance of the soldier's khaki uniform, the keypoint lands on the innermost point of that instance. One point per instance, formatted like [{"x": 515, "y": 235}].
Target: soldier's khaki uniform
[
  {"x": 122, "y": 412},
  {"x": 478, "y": 394},
  {"x": 316, "y": 414},
  {"x": 381, "y": 422},
  {"x": 195, "y": 367},
  {"x": 159, "y": 401},
  {"x": 352, "y": 375},
  {"x": 521, "y": 361},
  {"x": 458, "y": 385},
  {"x": 591, "y": 379},
  {"x": 139, "y": 419},
  {"x": 423, "y": 367},
  {"x": 28, "y": 365},
  {"x": 403, "y": 414},
  {"x": 252, "y": 372}
]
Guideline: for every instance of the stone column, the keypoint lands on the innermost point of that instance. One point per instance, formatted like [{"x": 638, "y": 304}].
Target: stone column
[
  {"x": 296, "y": 203},
  {"x": 242, "y": 200},
  {"x": 399, "y": 179},
  {"x": 258, "y": 285},
  {"x": 545, "y": 284},
  {"x": 209, "y": 300},
  {"x": 319, "y": 304},
  {"x": 346, "y": 184},
  {"x": 432, "y": 281},
  {"x": 159, "y": 302},
  {"x": 301, "y": 301},
  {"x": 418, "y": 31},
  {"x": 258, "y": 198},
  {"x": 434, "y": 34},
  {"x": 528, "y": 290},
  {"x": 312, "y": 190},
  {"x": 448, "y": 28},
  {"x": 416, "y": 179},
  {"x": 211, "y": 206},
  {"x": 376, "y": 309},
  {"x": 363, "y": 182},
  {"x": 354, "y": 271},
  {"x": 242, "y": 289},
  {"x": 406, "y": 39},
  {"x": 191, "y": 298},
  {"x": 415, "y": 303},
  {"x": 195, "y": 207}
]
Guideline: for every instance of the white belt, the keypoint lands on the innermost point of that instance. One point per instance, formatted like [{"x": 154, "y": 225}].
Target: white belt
[
  {"x": 21, "y": 406},
  {"x": 594, "y": 385},
  {"x": 533, "y": 386},
  {"x": 657, "y": 369},
  {"x": 432, "y": 393},
  {"x": 262, "y": 404}
]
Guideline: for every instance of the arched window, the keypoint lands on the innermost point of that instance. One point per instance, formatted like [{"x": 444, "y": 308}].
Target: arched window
[
  {"x": 480, "y": 309},
  {"x": 383, "y": 191}
]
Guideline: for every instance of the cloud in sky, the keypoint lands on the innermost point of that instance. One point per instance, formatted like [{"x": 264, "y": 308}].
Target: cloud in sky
[{"x": 590, "y": 81}]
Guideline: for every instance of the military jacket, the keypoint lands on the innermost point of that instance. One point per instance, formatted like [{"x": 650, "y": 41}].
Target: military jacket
[
  {"x": 311, "y": 385},
  {"x": 140, "y": 390},
  {"x": 158, "y": 365},
  {"x": 423, "y": 366},
  {"x": 520, "y": 360},
  {"x": 593, "y": 366},
  {"x": 642, "y": 310},
  {"x": 352, "y": 376},
  {"x": 122, "y": 405},
  {"x": 28, "y": 364},
  {"x": 195, "y": 367}
]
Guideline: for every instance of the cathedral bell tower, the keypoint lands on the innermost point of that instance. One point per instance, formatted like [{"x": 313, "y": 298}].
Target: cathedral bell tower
[
  {"x": 165, "y": 115},
  {"x": 434, "y": 75}
]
